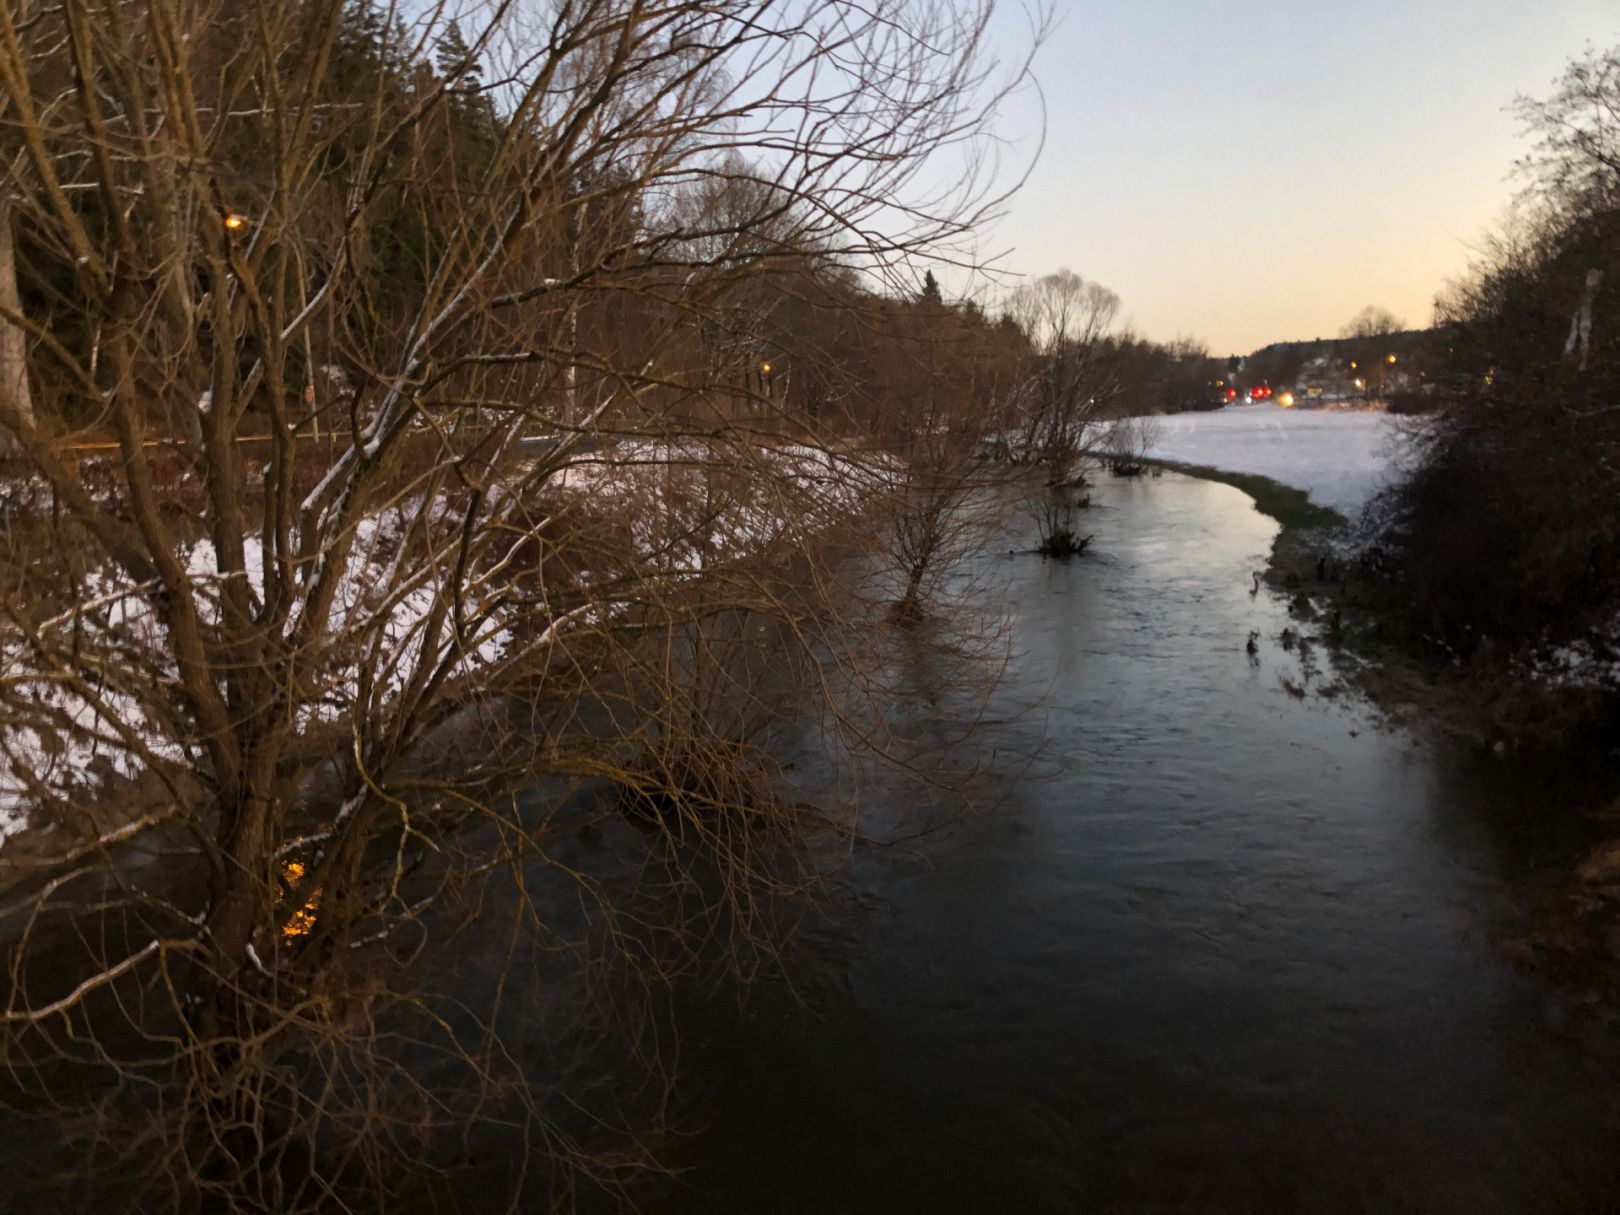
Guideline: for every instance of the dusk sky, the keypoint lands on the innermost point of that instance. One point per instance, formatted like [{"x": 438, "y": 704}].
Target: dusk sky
[{"x": 1248, "y": 171}]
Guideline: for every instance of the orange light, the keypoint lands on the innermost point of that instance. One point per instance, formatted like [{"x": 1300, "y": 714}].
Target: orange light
[
  {"x": 765, "y": 368},
  {"x": 233, "y": 222},
  {"x": 302, "y": 921},
  {"x": 1392, "y": 360}
]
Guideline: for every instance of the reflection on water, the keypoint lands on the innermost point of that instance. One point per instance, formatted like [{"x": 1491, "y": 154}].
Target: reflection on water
[{"x": 1222, "y": 950}]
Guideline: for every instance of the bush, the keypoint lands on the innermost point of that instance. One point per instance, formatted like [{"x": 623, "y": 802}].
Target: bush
[
  {"x": 1055, "y": 513},
  {"x": 1064, "y": 543},
  {"x": 1411, "y": 403},
  {"x": 1511, "y": 521},
  {"x": 1508, "y": 528}
]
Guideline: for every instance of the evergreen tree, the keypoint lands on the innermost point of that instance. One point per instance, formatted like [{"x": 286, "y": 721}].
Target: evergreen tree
[
  {"x": 930, "y": 289},
  {"x": 457, "y": 64},
  {"x": 359, "y": 52},
  {"x": 472, "y": 114}
]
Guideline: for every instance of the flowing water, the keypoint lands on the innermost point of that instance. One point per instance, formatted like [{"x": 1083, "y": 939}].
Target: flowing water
[
  {"x": 1218, "y": 949},
  {"x": 1222, "y": 950}
]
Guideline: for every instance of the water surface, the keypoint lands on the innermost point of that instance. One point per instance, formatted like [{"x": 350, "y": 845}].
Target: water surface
[{"x": 1224, "y": 950}]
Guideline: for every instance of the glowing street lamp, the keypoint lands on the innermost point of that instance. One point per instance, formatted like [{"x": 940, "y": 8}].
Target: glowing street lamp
[{"x": 235, "y": 223}]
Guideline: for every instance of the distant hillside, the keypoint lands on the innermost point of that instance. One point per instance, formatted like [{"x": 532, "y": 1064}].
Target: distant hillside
[{"x": 1406, "y": 341}]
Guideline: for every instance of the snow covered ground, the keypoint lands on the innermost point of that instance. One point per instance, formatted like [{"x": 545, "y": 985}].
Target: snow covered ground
[
  {"x": 63, "y": 743},
  {"x": 1341, "y": 458}
]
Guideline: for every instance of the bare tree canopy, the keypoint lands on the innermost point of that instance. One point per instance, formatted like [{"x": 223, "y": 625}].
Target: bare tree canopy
[
  {"x": 1069, "y": 322},
  {"x": 1576, "y": 128},
  {"x": 413, "y": 407},
  {"x": 1374, "y": 322}
]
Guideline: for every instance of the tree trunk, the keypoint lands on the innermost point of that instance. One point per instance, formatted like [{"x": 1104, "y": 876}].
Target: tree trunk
[
  {"x": 909, "y": 608},
  {"x": 13, "y": 339}
]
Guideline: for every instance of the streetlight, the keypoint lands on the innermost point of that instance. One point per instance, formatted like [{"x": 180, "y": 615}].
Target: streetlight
[{"x": 235, "y": 222}]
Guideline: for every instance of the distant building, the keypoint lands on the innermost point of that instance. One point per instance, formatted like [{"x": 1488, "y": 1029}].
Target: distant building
[{"x": 1324, "y": 379}]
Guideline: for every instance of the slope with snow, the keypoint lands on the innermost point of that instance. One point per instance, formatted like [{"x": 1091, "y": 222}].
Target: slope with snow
[{"x": 686, "y": 506}]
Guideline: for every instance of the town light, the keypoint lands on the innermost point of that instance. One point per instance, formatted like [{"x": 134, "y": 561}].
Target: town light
[
  {"x": 234, "y": 222},
  {"x": 1392, "y": 360},
  {"x": 765, "y": 369}
]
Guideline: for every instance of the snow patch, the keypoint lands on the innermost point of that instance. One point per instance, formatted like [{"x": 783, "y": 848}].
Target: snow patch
[
  {"x": 1591, "y": 662},
  {"x": 687, "y": 507}
]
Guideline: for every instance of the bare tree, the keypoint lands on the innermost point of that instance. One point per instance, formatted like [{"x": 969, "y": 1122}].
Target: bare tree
[
  {"x": 1068, "y": 321},
  {"x": 1073, "y": 376},
  {"x": 942, "y": 503},
  {"x": 1127, "y": 444},
  {"x": 310, "y": 675},
  {"x": 1374, "y": 322},
  {"x": 1575, "y": 165}
]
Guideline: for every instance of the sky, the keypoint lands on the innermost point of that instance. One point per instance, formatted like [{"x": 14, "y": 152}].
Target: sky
[{"x": 1251, "y": 171}]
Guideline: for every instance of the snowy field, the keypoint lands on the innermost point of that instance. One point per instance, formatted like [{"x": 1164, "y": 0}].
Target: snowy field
[{"x": 1341, "y": 458}]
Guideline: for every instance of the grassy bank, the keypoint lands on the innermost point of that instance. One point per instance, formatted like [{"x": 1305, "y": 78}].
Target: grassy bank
[{"x": 1290, "y": 507}]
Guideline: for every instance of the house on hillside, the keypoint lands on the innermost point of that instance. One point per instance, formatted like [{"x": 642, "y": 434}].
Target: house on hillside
[{"x": 1324, "y": 379}]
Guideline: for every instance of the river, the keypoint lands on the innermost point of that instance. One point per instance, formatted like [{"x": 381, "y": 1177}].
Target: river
[
  {"x": 1222, "y": 950},
  {"x": 1200, "y": 945}
]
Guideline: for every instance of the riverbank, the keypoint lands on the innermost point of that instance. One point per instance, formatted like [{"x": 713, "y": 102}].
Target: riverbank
[
  {"x": 1486, "y": 700},
  {"x": 1318, "y": 472},
  {"x": 1566, "y": 921},
  {"x": 1290, "y": 507}
]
